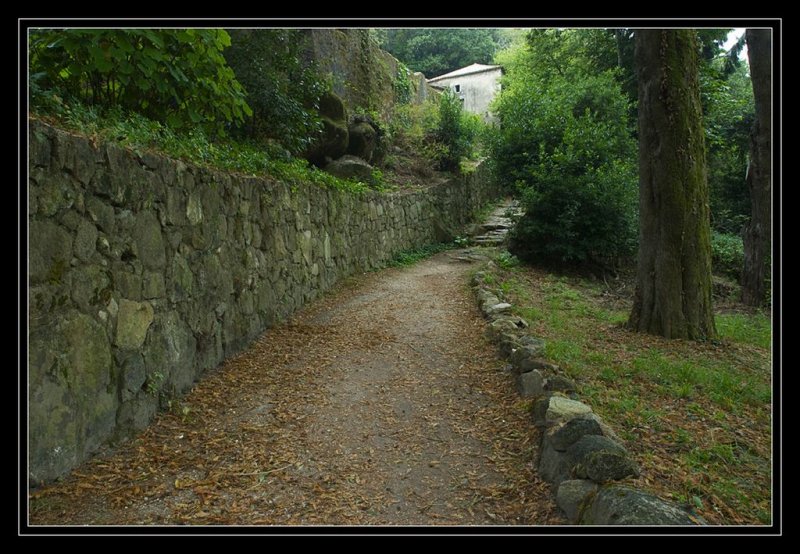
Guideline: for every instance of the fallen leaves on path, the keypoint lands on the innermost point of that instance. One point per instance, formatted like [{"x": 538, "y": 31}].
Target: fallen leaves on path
[{"x": 381, "y": 404}]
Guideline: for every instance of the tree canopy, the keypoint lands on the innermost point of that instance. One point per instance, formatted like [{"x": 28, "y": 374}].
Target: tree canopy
[
  {"x": 174, "y": 75},
  {"x": 435, "y": 52}
]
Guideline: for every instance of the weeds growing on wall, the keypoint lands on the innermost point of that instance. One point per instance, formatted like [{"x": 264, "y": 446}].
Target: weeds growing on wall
[{"x": 141, "y": 134}]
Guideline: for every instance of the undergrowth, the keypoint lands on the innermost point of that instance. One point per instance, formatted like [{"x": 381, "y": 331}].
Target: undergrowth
[
  {"x": 414, "y": 255},
  {"x": 141, "y": 134}
]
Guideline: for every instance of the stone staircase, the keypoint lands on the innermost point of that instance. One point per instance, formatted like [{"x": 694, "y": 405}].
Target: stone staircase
[{"x": 494, "y": 231}]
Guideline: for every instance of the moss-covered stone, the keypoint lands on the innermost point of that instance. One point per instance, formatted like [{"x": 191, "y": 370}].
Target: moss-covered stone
[
  {"x": 91, "y": 288},
  {"x": 127, "y": 283},
  {"x": 133, "y": 321},
  {"x": 148, "y": 240},
  {"x": 50, "y": 251},
  {"x": 620, "y": 505}
]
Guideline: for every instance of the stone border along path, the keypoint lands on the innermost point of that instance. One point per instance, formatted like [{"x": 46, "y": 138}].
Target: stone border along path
[{"x": 579, "y": 454}]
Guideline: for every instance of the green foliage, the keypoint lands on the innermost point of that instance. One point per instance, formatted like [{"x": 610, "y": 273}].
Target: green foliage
[
  {"x": 283, "y": 90},
  {"x": 728, "y": 113},
  {"x": 441, "y": 131},
  {"x": 139, "y": 133},
  {"x": 507, "y": 260},
  {"x": 403, "y": 87},
  {"x": 178, "y": 76},
  {"x": 727, "y": 254},
  {"x": 565, "y": 142},
  {"x": 438, "y": 51},
  {"x": 153, "y": 383},
  {"x": 451, "y": 134},
  {"x": 410, "y": 257}
]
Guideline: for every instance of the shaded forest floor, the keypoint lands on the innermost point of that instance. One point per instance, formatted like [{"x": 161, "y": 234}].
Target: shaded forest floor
[
  {"x": 696, "y": 415},
  {"x": 381, "y": 404}
]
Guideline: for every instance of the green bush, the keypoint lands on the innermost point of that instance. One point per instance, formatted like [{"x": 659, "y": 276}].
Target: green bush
[
  {"x": 455, "y": 135},
  {"x": 450, "y": 132},
  {"x": 727, "y": 254},
  {"x": 567, "y": 148},
  {"x": 178, "y": 76},
  {"x": 283, "y": 89}
]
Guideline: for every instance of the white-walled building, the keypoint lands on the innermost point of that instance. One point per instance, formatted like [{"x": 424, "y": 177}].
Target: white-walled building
[{"x": 476, "y": 85}]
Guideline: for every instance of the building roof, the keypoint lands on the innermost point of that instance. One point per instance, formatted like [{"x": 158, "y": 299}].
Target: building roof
[{"x": 469, "y": 70}]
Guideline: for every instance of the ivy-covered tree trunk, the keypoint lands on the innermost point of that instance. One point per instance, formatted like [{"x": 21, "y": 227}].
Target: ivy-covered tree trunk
[
  {"x": 673, "y": 288},
  {"x": 759, "y": 176}
]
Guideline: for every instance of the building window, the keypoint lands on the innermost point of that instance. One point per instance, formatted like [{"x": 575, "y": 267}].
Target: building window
[{"x": 457, "y": 88}]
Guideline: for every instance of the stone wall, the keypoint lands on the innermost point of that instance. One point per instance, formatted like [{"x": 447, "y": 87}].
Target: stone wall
[
  {"x": 362, "y": 74},
  {"x": 145, "y": 271}
]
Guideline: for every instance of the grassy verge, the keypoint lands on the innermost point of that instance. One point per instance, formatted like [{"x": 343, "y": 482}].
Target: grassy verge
[
  {"x": 410, "y": 257},
  {"x": 697, "y": 416},
  {"x": 141, "y": 134}
]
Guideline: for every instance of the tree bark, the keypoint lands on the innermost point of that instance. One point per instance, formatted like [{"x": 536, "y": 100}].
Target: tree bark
[
  {"x": 757, "y": 239},
  {"x": 673, "y": 288}
]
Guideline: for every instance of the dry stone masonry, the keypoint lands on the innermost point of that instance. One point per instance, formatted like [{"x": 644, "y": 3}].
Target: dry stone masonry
[
  {"x": 579, "y": 454},
  {"x": 144, "y": 272}
]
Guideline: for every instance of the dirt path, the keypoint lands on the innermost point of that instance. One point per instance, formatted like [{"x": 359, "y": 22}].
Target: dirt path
[{"x": 381, "y": 404}]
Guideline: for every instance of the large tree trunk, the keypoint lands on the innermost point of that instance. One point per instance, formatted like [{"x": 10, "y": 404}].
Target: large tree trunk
[
  {"x": 673, "y": 288},
  {"x": 757, "y": 240}
]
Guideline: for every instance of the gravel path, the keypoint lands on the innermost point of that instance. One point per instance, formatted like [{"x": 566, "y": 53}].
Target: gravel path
[{"x": 381, "y": 404}]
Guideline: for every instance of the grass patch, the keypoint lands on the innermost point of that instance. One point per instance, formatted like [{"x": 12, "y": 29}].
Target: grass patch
[
  {"x": 410, "y": 257},
  {"x": 696, "y": 415},
  {"x": 746, "y": 329}
]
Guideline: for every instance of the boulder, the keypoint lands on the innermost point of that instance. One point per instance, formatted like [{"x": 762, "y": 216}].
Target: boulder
[
  {"x": 530, "y": 384},
  {"x": 362, "y": 139},
  {"x": 568, "y": 433},
  {"x": 605, "y": 466},
  {"x": 600, "y": 459},
  {"x": 333, "y": 141},
  {"x": 620, "y": 505},
  {"x": 507, "y": 342},
  {"x": 559, "y": 383},
  {"x": 506, "y": 324},
  {"x": 572, "y": 497},
  {"x": 350, "y": 167},
  {"x": 501, "y": 307},
  {"x": 554, "y": 466},
  {"x": 332, "y": 107},
  {"x": 555, "y": 409},
  {"x": 524, "y": 360}
]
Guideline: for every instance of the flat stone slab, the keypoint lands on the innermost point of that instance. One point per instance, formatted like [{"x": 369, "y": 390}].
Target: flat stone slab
[{"x": 562, "y": 409}]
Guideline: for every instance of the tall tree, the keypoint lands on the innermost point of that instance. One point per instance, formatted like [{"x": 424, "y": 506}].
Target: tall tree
[
  {"x": 673, "y": 288},
  {"x": 757, "y": 233}
]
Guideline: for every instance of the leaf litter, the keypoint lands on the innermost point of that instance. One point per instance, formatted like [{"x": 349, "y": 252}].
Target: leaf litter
[{"x": 380, "y": 404}]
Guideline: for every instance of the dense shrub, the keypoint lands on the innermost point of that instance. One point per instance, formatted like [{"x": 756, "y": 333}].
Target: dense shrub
[
  {"x": 283, "y": 88},
  {"x": 439, "y": 130},
  {"x": 565, "y": 144},
  {"x": 727, "y": 254},
  {"x": 451, "y": 133},
  {"x": 178, "y": 76}
]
